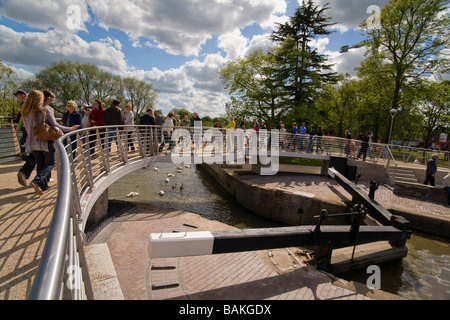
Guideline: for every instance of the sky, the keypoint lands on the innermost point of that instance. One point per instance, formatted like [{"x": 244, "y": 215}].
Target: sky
[{"x": 177, "y": 45}]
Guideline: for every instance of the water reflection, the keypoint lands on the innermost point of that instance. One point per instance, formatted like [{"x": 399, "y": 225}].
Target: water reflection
[
  {"x": 200, "y": 195},
  {"x": 423, "y": 275}
]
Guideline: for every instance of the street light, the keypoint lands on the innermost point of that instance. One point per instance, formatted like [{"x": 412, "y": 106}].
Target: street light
[
  {"x": 344, "y": 49},
  {"x": 393, "y": 114}
]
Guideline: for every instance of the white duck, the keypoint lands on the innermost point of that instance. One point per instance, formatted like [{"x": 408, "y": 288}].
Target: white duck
[
  {"x": 161, "y": 192},
  {"x": 134, "y": 194}
]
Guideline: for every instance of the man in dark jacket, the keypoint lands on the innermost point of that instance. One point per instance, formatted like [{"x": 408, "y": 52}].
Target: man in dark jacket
[
  {"x": 431, "y": 170},
  {"x": 147, "y": 120},
  {"x": 197, "y": 119},
  {"x": 113, "y": 117}
]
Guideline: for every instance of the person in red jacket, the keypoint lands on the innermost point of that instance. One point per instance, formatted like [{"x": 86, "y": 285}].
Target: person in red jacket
[{"x": 96, "y": 120}]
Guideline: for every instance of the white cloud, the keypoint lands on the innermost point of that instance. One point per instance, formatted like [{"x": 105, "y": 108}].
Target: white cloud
[
  {"x": 234, "y": 44},
  {"x": 347, "y": 62},
  {"x": 182, "y": 27},
  {"x": 320, "y": 44},
  {"x": 39, "y": 49},
  {"x": 46, "y": 14},
  {"x": 349, "y": 13},
  {"x": 195, "y": 86}
]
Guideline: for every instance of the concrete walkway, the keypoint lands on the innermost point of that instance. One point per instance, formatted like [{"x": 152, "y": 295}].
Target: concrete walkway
[{"x": 24, "y": 223}]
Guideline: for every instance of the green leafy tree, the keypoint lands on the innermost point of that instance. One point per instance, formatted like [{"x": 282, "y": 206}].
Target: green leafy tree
[
  {"x": 85, "y": 83},
  {"x": 336, "y": 104},
  {"x": 375, "y": 88},
  {"x": 107, "y": 86},
  {"x": 62, "y": 79},
  {"x": 87, "y": 76},
  {"x": 250, "y": 81},
  {"x": 8, "y": 105},
  {"x": 433, "y": 106},
  {"x": 140, "y": 94},
  {"x": 412, "y": 37}
]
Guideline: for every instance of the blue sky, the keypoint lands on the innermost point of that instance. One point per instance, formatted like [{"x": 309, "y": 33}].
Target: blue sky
[{"x": 177, "y": 45}]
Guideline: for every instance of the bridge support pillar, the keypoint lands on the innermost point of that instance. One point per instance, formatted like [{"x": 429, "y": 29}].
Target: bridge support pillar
[
  {"x": 256, "y": 168},
  {"x": 325, "y": 167},
  {"x": 100, "y": 209}
]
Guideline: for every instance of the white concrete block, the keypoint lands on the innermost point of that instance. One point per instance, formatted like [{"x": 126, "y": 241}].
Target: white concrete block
[{"x": 180, "y": 244}]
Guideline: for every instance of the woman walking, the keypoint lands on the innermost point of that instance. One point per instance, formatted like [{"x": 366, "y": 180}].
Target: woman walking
[
  {"x": 128, "y": 117},
  {"x": 72, "y": 118},
  {"x": 167, "y": 131},
  {"x": 34, "y": 113}
]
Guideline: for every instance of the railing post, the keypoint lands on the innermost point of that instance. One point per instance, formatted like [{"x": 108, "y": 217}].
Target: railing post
[
  {"x": 141, "y": 142},
  {"x": 123, "y": 154},
  {"x": 75, "y": 187},
  {"x": 105, "y": 159}
]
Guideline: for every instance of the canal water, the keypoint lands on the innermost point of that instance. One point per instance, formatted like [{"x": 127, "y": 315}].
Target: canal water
[{"x": 423, "y": 275}]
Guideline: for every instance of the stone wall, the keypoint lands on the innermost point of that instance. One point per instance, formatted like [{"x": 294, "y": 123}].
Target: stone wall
[
  {"x": 292, "y": 208},
  {"x": 99, "y": 210},
  {"x": 420, "y": 191}
]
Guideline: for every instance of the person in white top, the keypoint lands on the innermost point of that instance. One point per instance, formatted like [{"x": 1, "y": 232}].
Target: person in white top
[
  {"x": 167, "y": 130},
  {"x": 447, "y": 186},
  {"x": 129, "y": 123}
]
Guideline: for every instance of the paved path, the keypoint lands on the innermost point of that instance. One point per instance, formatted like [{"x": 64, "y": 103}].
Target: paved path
[{"x": 24, "y": 223}]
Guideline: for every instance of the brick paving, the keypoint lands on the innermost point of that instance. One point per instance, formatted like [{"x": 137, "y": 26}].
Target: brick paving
[{"x": 24, "y": 224}]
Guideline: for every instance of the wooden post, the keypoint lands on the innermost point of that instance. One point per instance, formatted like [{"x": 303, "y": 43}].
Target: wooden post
[{"x": 322, "y": 257}]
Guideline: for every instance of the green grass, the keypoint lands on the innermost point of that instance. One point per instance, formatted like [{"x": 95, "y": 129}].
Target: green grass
[
  {"x": 301, "y": 162},
  {"x": 403, "y": 156}
]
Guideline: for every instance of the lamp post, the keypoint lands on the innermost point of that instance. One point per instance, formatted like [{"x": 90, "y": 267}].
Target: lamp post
[{"x": 393, "y": 113}]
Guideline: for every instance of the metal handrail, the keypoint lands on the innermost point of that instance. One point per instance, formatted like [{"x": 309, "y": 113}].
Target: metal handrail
[{"x": 50, "y": 275}]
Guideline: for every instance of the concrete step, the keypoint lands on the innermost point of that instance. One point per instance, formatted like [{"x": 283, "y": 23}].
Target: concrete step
[
  {"x": 404, "y": 175},
  {"x": 404, "y": 179},
  {"x": 102, "y": 273},
  {"x": 404, "y": 170}
]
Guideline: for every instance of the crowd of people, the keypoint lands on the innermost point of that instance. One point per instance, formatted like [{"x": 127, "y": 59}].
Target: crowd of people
[{"x": 40, "y": 154}]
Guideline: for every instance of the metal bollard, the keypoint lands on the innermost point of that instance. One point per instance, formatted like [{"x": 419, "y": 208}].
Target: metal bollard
[{"x": 373, "y": 187}]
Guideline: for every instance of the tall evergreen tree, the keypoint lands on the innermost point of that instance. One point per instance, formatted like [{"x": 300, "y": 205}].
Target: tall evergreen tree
[{"x": 302, "y": 69}]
